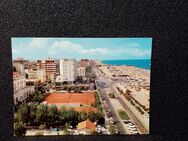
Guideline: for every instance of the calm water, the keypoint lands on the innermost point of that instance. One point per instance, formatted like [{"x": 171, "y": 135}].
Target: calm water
[{"x": 142, "y": 63}]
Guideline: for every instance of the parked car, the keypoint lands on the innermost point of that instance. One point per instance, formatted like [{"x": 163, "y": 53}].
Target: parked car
[
  {"x": 131, "y": 126},
  {"x": 133, "y": 129},
  {"x": 134, "y": 132}
]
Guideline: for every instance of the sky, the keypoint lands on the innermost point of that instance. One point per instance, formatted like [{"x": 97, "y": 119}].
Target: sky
[{"x": 82, "y": 48}]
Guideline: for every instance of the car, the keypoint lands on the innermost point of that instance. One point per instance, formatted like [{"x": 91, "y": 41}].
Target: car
[
  {"x": 126, "y": 122},
  {"x": 130, "y": 123},
  {"x": 134, "y": 132},
  {"x": 133, "y": 129},
  {"x": 131, "y": 126}
]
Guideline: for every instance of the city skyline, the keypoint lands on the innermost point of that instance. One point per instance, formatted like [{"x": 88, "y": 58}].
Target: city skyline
[{"x": 82, "y": 48}]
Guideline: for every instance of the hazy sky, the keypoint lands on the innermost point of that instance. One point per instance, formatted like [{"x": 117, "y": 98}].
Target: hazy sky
[{"x": 78, "y": 48}]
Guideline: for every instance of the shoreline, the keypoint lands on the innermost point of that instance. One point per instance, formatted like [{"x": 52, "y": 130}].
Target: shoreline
[{"x": 100, "y": 62}]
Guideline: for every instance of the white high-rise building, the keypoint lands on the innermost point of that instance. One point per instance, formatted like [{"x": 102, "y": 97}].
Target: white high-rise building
[{"x": 68, "y": 69}]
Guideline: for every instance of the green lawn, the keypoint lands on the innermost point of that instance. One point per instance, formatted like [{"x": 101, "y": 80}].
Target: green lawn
[
  {"x": 123, "y": 115},
  {"x": 111, "y": 95}
]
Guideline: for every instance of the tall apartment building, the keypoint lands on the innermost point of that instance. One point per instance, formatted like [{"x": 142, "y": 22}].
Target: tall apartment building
[
  {"x": 21, "y": 91},
  {"x": 48, "y": 65},
  {"x": 68, "y": 69}
]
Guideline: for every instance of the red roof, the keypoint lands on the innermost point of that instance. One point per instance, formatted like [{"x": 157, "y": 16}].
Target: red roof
[{"x": 86, "y": 124}]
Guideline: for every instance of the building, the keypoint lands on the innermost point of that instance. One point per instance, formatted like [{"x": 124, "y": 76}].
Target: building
[
  {"x": 68, "y": 70},
  {"x": 37, "y": 74},
  {"x": 84, "y": 62},
  {"x": 48, "y": 65},
  {"x": 86, "y": 127},
  {"x": 21, "y": 91},
  {"x": 35, "y": 77},
  {"x": 19, "y": 68},
  {"x": 59, "y": 80},
  {"x": 81, "y": 71},
  {"x": 20, "y": 61}
]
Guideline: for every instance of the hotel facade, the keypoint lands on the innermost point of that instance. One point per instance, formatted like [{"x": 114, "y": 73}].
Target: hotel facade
[{"x": 21, "y": 91}]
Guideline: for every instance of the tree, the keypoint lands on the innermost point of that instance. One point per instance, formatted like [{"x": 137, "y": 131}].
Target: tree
[
  {"x": 65, "y": 87},
  {"x": 111, "y": 95},
  {"x": 92, "y": 116},
  {"x": 43, "y": 90},
  {"x": 22, "y": 113},
  {"x": 38, "y": 97},
  {"x": 68, "y": 116},
  {"x": 100, "y": 118},
  {"x": 65, "y": 131},
  {"x": 112, "y": 129},
  {"x": 19, "y": 129},
  {"x": 72, "y": 116},
  {"x": 82, "y": 116},
  {"x": 32, "y": 108},
  {"x": 62, "y": 115},
  {"x": 77, "y": 90},
  {"x": 67, "y": 125},
  {"x": 53, "y": 115},
  {"x": 69, "y": 89},
  {"x": 41, "y": 114}
]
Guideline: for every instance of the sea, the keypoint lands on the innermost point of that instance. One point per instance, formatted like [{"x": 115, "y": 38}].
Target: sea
[{"x": 140, "y": 63}]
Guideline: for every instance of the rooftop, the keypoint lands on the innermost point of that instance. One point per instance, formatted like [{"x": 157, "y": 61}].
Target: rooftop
[{"x": 86, "y": 124}]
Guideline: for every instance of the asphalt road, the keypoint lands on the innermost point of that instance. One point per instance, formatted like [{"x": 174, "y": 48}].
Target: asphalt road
[{"x": 100, "y": 86}]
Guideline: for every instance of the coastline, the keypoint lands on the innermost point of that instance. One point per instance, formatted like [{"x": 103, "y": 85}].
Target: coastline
[
  {"x": 138, "y": 63},
  {"x": 100, "y": 62},
  {"x": 132, "y": 71}
]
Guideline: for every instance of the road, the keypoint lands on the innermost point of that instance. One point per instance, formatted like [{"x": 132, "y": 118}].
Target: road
[
  {"x": 109, "y": 83},
  {"x": 101, "y": 87}
]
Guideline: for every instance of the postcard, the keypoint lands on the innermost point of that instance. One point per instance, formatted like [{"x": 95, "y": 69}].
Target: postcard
[{"x": 81, "y": 86}]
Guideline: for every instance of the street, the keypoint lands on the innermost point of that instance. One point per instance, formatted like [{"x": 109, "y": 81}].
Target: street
[{"x": 104, "y": 82}]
